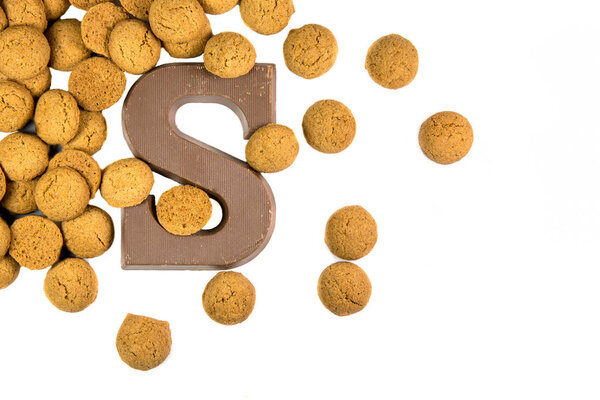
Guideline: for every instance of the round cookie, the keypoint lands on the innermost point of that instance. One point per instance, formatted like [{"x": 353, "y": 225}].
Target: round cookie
[
  {"x": 23, "y": 156},
  {"x": 272, "y": 148},
  {"x": 66, "y": 45},
  {"x": 229, "y": 55},
  {"x": 446, "y": 137},
  {"x": 36, "y": 242},
  {"x": 3, "y": 20},
  {"x": 97, "y": 83},
  {"x": 71, "y": 285},
  {"x": 229, "y": 298},
  {"x": 216, "y": 7},
  {"x": 56, "y": 8},
  {"x": 344, "y": 288},
  {"x": 2, "y": 184},
  {"x": 56, "y": 117},
  {"x": 4, "y": 237},
  {"x": 37, "y": 85},
  {"x": 19, "y": 197},
  {"x": 91, "y": 134},
  {"x": 329, "y": 126},
  {"x": 176, "y": 20},
  {"x": 87, "y": 4},
  {"x": 351, "y": 233},
  {"x": 310, "y": 51},
  {"x": 82, "y": 163},
  {"x": 392, "y": 61},
  {"x": 89, "y": 235},
  {"x": 266, "y": 16},
  {"x": 98, "y": 23},
  {"x": 9, "y": 270},
  {"x": 133, "y": 46},
  {"x": 138, "y": 8},
  {"x": 183, "y": 210},
  {"x": 62, "y": 194},
  {"x": 143, "y": 343},
  {"x": 16, "y": 106},
  {"x": 192, "y": 48},
  {"x": 26, "y": 12},
  {"x": 24, "y": 52},
  {"x": 126, "y": 183}
]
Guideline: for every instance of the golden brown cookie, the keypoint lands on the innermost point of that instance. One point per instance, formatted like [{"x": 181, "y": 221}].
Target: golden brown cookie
[
  {"x": 82, "y": 163},
  {"x": 126, "y": 183},
  {"x": 26, "y": 12},
  {"x": 24, "y": 52},
  {"x": 351, "y": 233},
  {"x": 192, "y": 48},
  {"x": 310, "y": 51},
  {"x": 66, "y": 45},
  {"x": 229, "y": 55},
  {"x": 392, "y": 61},
  {"x": 56, "y": 117},
  {"x": 176, "y": 20},
  {"x": 183, "y": 210},
  {"x": 266, "y": 16},
  {"x": 143, "y": 343},
  {"x": 229, "y": 298},
  {"x": 446, "y": 137},
  {"x": 98, "y": 23},
  {"x": 344, "y": 288},
  {"x": 36, "y": 242},
  {"x": 216, "y": 7},
  {"x": 133, "y": 46},
  {"x": 55, "y": 8},
  {"x": 87, "y": 4},
  {"x": 97, "y": 83},
  {"x": 16, "y": 106},
  {"x": 91, "y": 134},
  {"x": 3, "y": 20},
  {"x": 4, "y": 237},
  {"x": 23, "y": 156},
  {"x": 329, "y": 126},
  {"x": 272, "y": 148},
  {"x": 19, "y": 197},
  {"x": 138, "y": 8},
  {"x": 37, "y": 85},
  {"x": 62, "y": 194},
  {"x": 2, "y": 184},
  {"x": 71, "y": 285},
  {"x": 89, "y": 235},
  {"x": 9, "y": 270}
]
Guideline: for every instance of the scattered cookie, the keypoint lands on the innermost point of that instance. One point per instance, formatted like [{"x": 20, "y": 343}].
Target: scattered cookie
[
  {"x": 98, "y": 23},
  {"x": 71, "y": 285},
  {"x": 266, "y": 16},
  {"x": 143, "y": 343},
  {"x": 216, "y": 7},
  {"x": 229, "y": 298},
  {"x": 87, "y": 4},
  {"x": 26, "y": 12},
  {"x": 89, "y": 235},
  {"x": 24, "y": 52},
  {"x": 36, "y": 242},
  {"x": 272, "y": 148},
  {"x": 82, "y": 163},
  {"x": 23, "y": 156},
  {"x": 56, "y": 117},
  {"x": 176, "y": 20},
  {"x": 91, "y": 134},
  {"x": 446, "y": 137},
  {"x": 183, "y": 210},
  {"x": 344, "y": 288},
  {"x": 133, "y": 46},
  {"x": 392, "y": 61},
  {"x": 192, "y": 48},
  {"x": 19, "y": 197},
  {"x": 16, "y": 106},
  {"x": 62, "y": 194},
  {"x": 9, "y": 271},
  {"x": 37, "y": 85},
  {"x": 310, "y": 51},
  {"x": 126, "y": 183},
  {"x": 351, "y": 233},
  {"x": 66, "y": 44},
  {"x": 56, "y": 8},
  {"x": 97, "y": 83},
  {"x": 4, "y": 237},
  {"x": 229, "y": 55},
  {"x": 138, "y": 8},
  {"x": 329, "y": 126}
]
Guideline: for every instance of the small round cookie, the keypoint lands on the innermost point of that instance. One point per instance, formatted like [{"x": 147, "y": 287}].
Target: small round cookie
[
  {"x": 143, "y": 343},
  {"x": 310, "y": 51},
  {"x": 4, "y": 237},
  {"x": 98, "y": 23},
  {"x": 16, "y": 106},
  {"x": 192, "y": 48},
  {"x": 55, "y": 8},
  {"x": 351, "y": 233},
  {"x": 126, "y": 183},
  {"x": 62, "y": 194},
  {"x": 229, "y": 298},
  {"x": 216, "y": 7},
  {"x": 272, "y": 148},
  {"x": 23, "y": 156},
  {"x": 229, "y": 55},
  {"x": 38, "y": 85},
  {"x": 24, "y": 52},
  {"x": 3, "y": 20},
  {"x": 91, "y": 134},
  {"x": 9, "y": 270},
  {"x": 89, "y": 235},
  {"x": 392, "y": 61},
  {"x": 19, "y": 197},
  {"x": 87, "y": 4},
  {"x": 344, "y": 288},
  {"x": 183, "y": 210},
  {"x": 2, "y": 184},
  {"x": 26, "y": 12},
  {"x": 56, "y": 117},
  {"x": 133, "y": 46},
  {"x": 176, "y": 20},
  {"x": 82, "y": 163},
  {"x": 71, "y": 285},
  {"x": 329, "y": 126},
  {"x": 66, "y": 45},
  {"x": 446, "y": 137},
  {"x": 97, "y": 83},
  {"x": 36, "y": 242},
  {"x": 138, "y": 8},
  {"x": 266, "y": 16}
]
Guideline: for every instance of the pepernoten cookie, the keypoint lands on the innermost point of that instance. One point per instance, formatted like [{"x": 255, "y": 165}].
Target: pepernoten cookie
[
  {"x": 24, "y": 52},
  {"x": 89, "y": 235},
  {"x": 71, "y": 285},
  {"x": 97, "y": 83},
  {"x": 126, "y": 183},
  {"x": 98, "y": 23},
  {"x": 229, "y": 298},
  {"x": 56, "y": 117},
  {"x": 26, "y": 12},
  {"x": 91, "y": 134},
  {"x": 190, "y": 48},
  {"x": 392, "y": 61},
  {"x": 446, "y": 137},
  {"x": 23, "y": 156},
  {"x": 16, "y": 106},
  {"x": 176, "y": 20},
  {"x": 138, "y": 8},
  {"x": 272, "y": 148},
  {"x": 37, "y": 86},
  {"x": 329, "y": 126},
  {"x": 36, "y": 242},
  {"x": 55, "y": 8},
  {"x": 19, "y": 197},
  {"x": 351, "y": 233},
  {"x": 344, "y": 288},
  {"x": 310, "y": 51},
  {"x": 183, "y": 210},
  {"x": 266, "y": 16},
  {"x": 133, "y": 46},
  {"x": 143, "y": 343},
  {"x": 66, "y": 45},
  {"x": 4, "y": 237},
  {"x": 62, "y": 194},
  {"x": 216, "y": 7},
  {"x": 9, "y": 271},
  {"x": 82, "y": 163}
]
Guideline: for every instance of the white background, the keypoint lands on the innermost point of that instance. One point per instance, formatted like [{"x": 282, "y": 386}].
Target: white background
[{"x": 485, "y": 277}]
